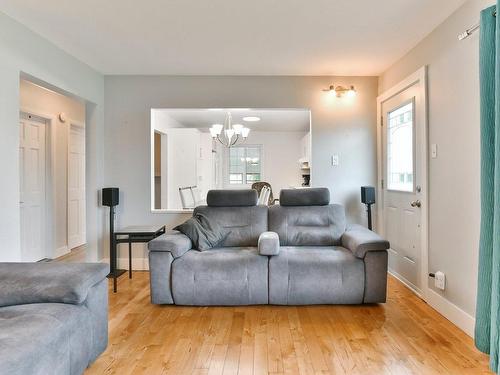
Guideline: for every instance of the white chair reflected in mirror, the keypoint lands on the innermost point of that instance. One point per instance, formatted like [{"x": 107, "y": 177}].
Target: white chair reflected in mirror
[
  {"x": 191, "y": 197},
  {"x": 187, "y": 200},
  {"x": 197, "y": 198},
  {"x": 265, "y": 192}
]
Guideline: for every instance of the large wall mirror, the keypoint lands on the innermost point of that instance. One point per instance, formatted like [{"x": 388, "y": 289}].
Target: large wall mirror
[{"x": 196, "y": 150}]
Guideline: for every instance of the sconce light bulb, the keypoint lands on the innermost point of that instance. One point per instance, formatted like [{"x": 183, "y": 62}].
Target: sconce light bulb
[{"x": 351, "y": 93}]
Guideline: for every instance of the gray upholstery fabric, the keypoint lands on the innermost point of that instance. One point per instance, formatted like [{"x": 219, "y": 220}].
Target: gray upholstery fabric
[
  {"x": 305, "y": 197},
  {"x": 360, "y": 240},
  {"x": 160, "y": 269},
  {"x": 223, "y": 276},
  {"x": 22, "y": 283},
  {"x": 53, "y": 338},
  {"x": 97, "y": 307},
  {"x": 269, "y": 243},
  {"x": 41, "y": 339},
  {"x": 173, "y": 242},
  {"x": 242, "y": 225},
  {"x": 232, "y": 198},
  {"x": 375, "y": 277},
  {"x": 308, "y": 225},
  {"x": 315, "y": 275},
  {"x": 203, "y": 233}
]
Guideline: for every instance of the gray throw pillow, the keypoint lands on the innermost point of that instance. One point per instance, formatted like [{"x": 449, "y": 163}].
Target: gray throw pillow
[{"x": 203, "y": 233}]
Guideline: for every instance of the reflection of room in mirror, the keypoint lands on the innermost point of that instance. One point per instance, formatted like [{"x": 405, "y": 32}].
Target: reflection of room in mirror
[{"x": 189, "y": 158}]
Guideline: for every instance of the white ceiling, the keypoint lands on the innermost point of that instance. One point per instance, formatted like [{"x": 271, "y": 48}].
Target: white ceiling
[
  {"x": 272, "y": 120},
  {"x": 234, "y": 37}
]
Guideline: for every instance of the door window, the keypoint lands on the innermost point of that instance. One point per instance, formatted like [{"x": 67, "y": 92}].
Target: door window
[{"x": 400, "y": 150}]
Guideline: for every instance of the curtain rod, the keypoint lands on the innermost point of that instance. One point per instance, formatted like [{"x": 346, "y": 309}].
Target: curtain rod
[{"x": 470, "y": 30}]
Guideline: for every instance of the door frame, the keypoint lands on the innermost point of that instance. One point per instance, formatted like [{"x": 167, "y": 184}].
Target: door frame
[
  {"x": 79, "y": 124},
  {"x": 50, "y": 193},
  {"x": 421, "y": 116}
]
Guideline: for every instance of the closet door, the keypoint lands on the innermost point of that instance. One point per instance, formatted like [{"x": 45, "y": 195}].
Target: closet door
[{"x": 76, "y": 187}]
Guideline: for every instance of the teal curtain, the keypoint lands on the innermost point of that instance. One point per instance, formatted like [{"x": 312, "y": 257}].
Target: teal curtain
[{"x": 488, "y": 295}]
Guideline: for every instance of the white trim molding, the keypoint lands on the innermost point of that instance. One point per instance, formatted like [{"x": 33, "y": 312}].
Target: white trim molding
[
  {"x": 60, "y": 251},
  {"x": 452, "y": 312}
]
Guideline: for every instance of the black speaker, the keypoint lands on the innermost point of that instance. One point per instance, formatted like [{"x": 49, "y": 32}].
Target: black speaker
[
  {"x": 367, "y": 194},
  {"x": 110, "y": 197}
]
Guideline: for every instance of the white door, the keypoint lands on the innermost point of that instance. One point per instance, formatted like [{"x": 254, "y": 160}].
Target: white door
[
  {"x": 32, "y": 187},
  {"x": 76, "y": 187},
  {"x": 402, "y": 173}
]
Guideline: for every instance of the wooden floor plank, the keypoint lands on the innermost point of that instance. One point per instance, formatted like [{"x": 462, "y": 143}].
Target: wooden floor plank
[{"x": 403, "y": 336}]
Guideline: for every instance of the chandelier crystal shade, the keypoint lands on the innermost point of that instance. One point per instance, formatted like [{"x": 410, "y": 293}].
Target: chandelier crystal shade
[{"x": 229, "y": 134}]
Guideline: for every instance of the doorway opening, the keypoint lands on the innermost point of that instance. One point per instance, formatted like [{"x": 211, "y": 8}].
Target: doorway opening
[{"x": 52, "y": 172}]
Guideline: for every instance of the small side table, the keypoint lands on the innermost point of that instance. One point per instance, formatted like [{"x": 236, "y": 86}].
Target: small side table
[{"x": 131, "y": 234}]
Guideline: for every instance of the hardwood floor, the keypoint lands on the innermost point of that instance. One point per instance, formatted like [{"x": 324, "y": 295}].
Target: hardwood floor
[{"x": 403, "y": 336}]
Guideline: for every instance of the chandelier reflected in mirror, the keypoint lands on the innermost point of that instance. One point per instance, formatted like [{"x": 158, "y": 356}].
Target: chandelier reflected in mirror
[{"x": 229, "y": 134}]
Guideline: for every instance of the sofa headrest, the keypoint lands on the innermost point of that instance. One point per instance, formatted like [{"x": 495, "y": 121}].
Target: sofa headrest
[
  {"x": 305, "y": 197},
  {"x": 232, "y": 198}
]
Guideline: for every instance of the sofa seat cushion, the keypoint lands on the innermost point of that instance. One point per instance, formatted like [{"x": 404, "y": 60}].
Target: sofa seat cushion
[
  {"x": 45, "y": 338},
  {"x": 221, "y": 276},
  {"x": 306, "y": 275}
]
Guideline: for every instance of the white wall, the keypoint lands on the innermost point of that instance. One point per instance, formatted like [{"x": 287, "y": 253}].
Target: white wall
[
  {"x": 23, "y": 51},
  {"x": 342, "y": 126},
  {"x": 38, "y": 100},
  {"x": 182, "y": 150},
  {"x": 453, "y": 89}
]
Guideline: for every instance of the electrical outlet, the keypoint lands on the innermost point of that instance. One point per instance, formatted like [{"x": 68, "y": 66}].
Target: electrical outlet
[
  {"x": 440, "y": 280},
  {"x": 335, "y": 160}
]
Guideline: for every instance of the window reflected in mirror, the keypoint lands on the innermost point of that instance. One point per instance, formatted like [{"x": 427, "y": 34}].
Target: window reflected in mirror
[{"x": 196, "y": 150}]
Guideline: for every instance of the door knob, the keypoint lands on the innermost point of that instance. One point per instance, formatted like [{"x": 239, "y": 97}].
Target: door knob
[{"x": 416, "y": 203}]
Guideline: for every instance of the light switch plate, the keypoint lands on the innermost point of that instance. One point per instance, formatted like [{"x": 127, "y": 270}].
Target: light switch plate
[
  {"x": 434, "y": 151},
  {"x": 335, "y": 160}
]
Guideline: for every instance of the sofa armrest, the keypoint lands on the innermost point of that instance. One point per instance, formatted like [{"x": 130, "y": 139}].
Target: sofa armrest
[
  {"x": 173, "y": 242},
  {"x": 269, "y": 243},
  {"x": 26, "y": 283},
  {"x": 360, "y": 240}
]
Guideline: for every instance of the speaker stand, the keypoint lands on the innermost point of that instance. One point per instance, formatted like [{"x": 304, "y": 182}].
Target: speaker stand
[
  {"x": 114, "y": 271},
  {"x": 369, "y": 211}
]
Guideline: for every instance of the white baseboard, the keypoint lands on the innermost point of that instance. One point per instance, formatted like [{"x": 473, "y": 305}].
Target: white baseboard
[
  {"x": 59, "y": 252},
  {"x": 452, "y": 312},
  {"x": 138, "y": 264},
  {"x": 449, "y": 310}
]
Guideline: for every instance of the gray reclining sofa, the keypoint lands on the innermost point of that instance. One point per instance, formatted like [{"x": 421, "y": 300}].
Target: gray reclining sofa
[
  {"x": 53, "y": 317},
  {"x": 296, "y": 253}
]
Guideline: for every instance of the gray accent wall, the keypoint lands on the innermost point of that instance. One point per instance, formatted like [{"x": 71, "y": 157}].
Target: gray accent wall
[
  {"x": 339, "y": 126},
  {"x": 24, "y": 52},
  {"x": 453, "y": 105}
]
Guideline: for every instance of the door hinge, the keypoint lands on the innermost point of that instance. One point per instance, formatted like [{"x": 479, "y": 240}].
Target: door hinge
[
  {"x": 381, "y": 120},
  {"x": 382, "y": 184}
]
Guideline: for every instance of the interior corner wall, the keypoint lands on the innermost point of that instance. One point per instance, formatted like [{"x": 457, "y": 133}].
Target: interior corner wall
[
  {"x": 453, "y": 112},
  {"x": 342, "y": 126},
  {"x": 26, "y": 53}
]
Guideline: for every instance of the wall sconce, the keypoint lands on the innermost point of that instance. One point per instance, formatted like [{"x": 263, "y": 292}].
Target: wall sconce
[{"x": 340, "y": 91}]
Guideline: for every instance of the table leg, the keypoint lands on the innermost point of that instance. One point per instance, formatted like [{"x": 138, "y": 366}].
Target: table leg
[
  {"x": 130, "y": 259},
  {"x": 114, "y": 283}
]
